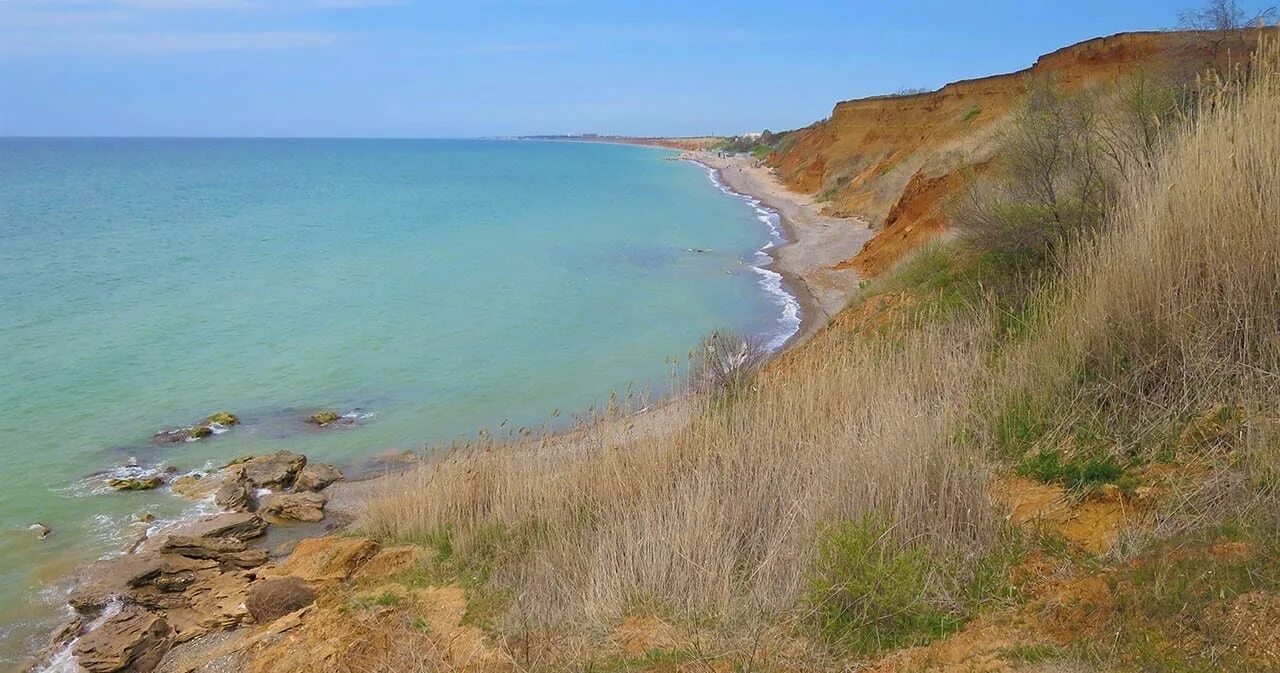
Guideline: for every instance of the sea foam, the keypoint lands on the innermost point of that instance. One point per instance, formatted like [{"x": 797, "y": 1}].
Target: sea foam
[{"x": 770, "y": 281}]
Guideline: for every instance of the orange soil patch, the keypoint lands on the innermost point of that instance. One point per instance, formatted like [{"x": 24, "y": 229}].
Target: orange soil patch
[
  {"x": 1093, "y": 524},
  {"x": 919, "y": 215},
  {"x": 896, "y": 160},
  {"x": 639, "y": 634}
]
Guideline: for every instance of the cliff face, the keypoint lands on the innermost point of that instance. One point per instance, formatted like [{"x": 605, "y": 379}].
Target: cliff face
[{"x": 898, "y": 160}]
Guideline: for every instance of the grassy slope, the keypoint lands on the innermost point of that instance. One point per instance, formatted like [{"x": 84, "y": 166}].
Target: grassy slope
[{"x": 838, "y": 509}]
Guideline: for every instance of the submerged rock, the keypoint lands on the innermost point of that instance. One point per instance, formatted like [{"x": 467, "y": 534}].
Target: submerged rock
[
  {"x": 144, "y": 483},
  {"x": 132, "y": 640},
  {"x": 223, "y": 418},
  {"x": 193, "y": 486},
  {"x": 316, "y": 477},
  {"x": 323, "y": 418},
  {"x": 42, "y": 531},
  {"x": 214, "y": 423},
  {"x": 302, "y": 506}
]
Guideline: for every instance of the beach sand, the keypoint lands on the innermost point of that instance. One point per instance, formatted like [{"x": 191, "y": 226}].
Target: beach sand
[{"x": 816, "y": 243}]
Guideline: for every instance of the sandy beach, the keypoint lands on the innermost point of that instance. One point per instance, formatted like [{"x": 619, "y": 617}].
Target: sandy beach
[{"x": 816, "y": 243}]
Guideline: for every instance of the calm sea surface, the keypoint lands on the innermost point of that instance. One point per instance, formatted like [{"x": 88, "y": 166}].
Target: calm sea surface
[{"x": 438, "y": 287}]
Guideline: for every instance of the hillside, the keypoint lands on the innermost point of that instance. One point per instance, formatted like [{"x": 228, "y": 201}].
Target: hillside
[
  {"x": 897, "y": 160},
  {"x": 1048, "y": 452}
]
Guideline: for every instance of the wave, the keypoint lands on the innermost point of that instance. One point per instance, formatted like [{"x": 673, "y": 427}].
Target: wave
[{"x": 789, "y": 321}]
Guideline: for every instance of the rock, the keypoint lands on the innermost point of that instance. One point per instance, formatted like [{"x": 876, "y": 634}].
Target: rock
[
  {"x": 274, "y": 471},
  {"x": 132, "y": 640},
  {"x": 223, "y": 418},
  {"x": 144, "y": 517},
  {"x": 227, "y": 551},
  {"x": 235, "y": 493},
  {"x": 101, "y": 582},
  {"x": 323, "y": 418},
  {"x": 239, "y": 525},
  {"x": 42, "y": 531},
  {"x": 302, "y": 506},
  {"x": 187, "y": 434},
  {"x": 190, "y": 433},
  {"x": 194, "y": 486},
  {"x": 146, "y": 483},
  {"x": 322, "y": 559},
  {"x": 274, "y": 598},
  {"x": 316, "y": 477}
]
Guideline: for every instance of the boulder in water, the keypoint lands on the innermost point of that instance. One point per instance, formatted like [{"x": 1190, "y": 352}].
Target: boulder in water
[
  {"x": 224, "y": 418},
  {"x": 325, "y": 417},
  {"x": 143, "y": 483}
]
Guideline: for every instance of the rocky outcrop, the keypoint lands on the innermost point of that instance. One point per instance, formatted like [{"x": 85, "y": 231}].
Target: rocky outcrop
[
  {"x": 239, "y": 525},
  {"x": 132, "y": 640},
  {"x": 317, "y": 477},
  {"x": 205, "y": 576},
  {"x": 227, "y": 551},
  {"x": 274, "y": 598},
  {"x": 235, "y": 493},
  {"x": 275, "y": 471},
  {"x": 301, "y": 506},
  {"x": 102, "y": 582}
]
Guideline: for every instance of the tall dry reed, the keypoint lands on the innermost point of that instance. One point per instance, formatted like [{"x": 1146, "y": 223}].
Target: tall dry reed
[{"x": 718, "y": 517}]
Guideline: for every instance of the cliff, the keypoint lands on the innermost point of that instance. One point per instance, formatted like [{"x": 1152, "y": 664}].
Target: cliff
[{"x": 897, "y": 160}]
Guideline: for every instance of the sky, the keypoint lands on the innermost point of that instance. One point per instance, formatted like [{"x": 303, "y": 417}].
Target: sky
[{"x": 467, "y": 68}]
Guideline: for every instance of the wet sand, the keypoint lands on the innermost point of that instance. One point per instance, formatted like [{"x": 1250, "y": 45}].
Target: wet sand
[{"x": 816, "y": 242}]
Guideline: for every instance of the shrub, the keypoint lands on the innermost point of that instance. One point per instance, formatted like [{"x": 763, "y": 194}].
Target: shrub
[
  {"x": 870, "y": 593},
  {"x": 725, "y": 363}
]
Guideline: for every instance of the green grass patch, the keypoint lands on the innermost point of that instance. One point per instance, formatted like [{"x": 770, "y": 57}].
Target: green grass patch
[
  {"x": 655, "y": 659},
  {"x": 971, "y": 114},
  {"x": 869, "y": 594},
  {"x": 1075, "y": 472},
  {"x": 1168, "y": 602}
]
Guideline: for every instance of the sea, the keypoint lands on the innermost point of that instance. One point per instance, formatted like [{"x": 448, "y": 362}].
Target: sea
[{"x": 426, "y": 289}]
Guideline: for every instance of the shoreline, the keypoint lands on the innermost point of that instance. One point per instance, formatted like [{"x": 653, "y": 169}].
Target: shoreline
[
  {"x": 814, "y": 243},
  {"x": 803, "y": 254}
]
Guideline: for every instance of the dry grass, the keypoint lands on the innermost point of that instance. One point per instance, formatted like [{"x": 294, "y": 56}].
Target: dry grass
[
  {"x": 719, "y": 520},
  {"x": 716, "y": 519}
]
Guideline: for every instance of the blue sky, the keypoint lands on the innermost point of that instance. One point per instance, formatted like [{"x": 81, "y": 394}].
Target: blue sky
[{"x": 423, "y": 68}]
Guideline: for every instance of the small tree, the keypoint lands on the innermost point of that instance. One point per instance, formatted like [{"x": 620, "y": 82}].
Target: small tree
[{"x": 1222, "y": 21}]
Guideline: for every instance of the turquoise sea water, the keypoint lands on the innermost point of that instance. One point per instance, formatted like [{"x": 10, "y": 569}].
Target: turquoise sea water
[{"x": 438, "y": 286}]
